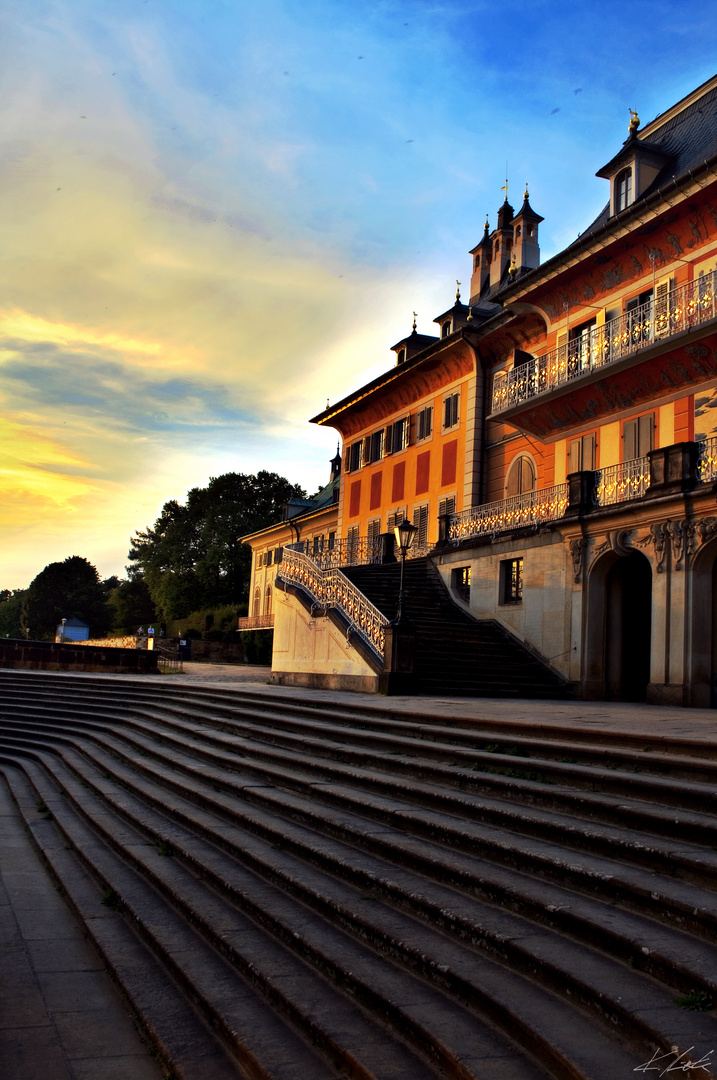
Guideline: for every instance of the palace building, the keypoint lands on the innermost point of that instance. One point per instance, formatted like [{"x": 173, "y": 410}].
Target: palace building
[{"x": 555, "y": 446}]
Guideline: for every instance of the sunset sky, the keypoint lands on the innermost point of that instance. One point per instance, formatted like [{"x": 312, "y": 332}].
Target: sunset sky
[{"x": 216, "y": 215}]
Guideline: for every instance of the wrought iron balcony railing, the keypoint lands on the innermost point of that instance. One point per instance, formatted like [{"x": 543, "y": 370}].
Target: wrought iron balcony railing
[
  {"x": 680, "y": 309},
  {"x": 620, "y": 483},
  {"x": 352, "y": 551},
  {"x": 532, "y": 508},
  {"x": 707, "y": 461},
  {"x": 255, "y": 622},
  {"x": 330, "y": 588}
]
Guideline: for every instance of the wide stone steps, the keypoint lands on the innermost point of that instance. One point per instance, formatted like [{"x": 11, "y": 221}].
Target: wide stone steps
[
  {"x": 386, "y": 914},
  {"x": 455, "y": 654}
]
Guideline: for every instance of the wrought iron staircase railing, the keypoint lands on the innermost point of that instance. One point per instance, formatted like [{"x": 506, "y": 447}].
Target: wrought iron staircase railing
[{"x": 330, "y": 588}]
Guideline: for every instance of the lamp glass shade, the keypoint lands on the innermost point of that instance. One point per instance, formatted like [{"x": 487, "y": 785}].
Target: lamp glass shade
[{"x": 405, "y": 533}]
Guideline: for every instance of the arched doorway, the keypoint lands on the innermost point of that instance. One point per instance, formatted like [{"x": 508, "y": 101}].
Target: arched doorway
[
  {"x": 703, "y": 629},
  {"x": 628, "y": 628}
]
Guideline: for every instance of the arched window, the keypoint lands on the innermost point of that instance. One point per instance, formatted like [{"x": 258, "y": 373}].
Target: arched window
[
  {"x": 521, "y": 477},
  {"x": 623, "y": 189},
  {"x": 257, "y": 602},
  {"x": 267, "y": 605}
]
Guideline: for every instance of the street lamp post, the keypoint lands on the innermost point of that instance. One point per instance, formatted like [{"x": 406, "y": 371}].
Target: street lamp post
[
  {"x": 62, "y": 632},
  {"x": 405, "y": 534}
]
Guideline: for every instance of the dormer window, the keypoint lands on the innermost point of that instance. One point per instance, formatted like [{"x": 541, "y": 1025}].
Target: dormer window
[
  {"x": 401, "y": 355},
  {"x": 623, "y": 190},
  {"x": 445, "y": 329}
]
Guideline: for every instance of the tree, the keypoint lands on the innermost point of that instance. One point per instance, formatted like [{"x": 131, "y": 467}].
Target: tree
[
  {"x": 131, "y": 604},
  {"x": 65, "y": 590},
  {"x": 11, "y": 612},
  {"x": 193, "y": 557}
]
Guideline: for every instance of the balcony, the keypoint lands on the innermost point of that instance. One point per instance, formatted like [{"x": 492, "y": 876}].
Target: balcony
[
  {"x": 533, "y": 508},
  {"x": 527, "y": 394},
  {"x": 256, "y": 622},
  {"x": 623, "y": 482}
]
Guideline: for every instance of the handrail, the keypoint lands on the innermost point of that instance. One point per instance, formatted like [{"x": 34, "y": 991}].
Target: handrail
[
  {"x": 532, "y": 508},
  {"x": 332, "y": 589},
  {"x": 352, "y": 551},
  {"x": 661, "y": 318},
  {"x": 620, "y": 483}
]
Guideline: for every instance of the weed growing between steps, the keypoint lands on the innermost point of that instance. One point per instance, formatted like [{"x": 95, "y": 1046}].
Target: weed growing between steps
[{"x": 695, "y": 1001}]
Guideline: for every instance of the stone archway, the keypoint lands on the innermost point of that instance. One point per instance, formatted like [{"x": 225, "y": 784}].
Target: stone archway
[
  {"x": 703, "y": 628},
  {"x": 619, "y": 634}
]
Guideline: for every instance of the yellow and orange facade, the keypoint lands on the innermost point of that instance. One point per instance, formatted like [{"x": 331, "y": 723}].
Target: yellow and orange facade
[{"x": 555, "y": 443}]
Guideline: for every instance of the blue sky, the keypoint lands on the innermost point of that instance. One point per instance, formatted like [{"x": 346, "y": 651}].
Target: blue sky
[{"x": 217, "y": 215}]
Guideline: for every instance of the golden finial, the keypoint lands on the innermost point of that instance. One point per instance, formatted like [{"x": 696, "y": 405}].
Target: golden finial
[
  {"x": 525, "y": 195},
  {"x": 505, "y": 188},
  {"x": 634, "y": 121},
  {"x": 470, "y": 313},
  {"x": 512, "y": 269},
  {"x": 486, "y": 223},
  {"x": 458, "y": 291},
  {"x": 414, "y": 321},
  {"x": 327, "y": 403}
]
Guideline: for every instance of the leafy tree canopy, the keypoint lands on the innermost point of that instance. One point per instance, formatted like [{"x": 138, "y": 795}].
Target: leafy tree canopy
[
  {"x": 11, "y": 612},
  {"x": 193, "y": 557},
  {"x": 65, "y": 590},
  {"x": 131, "y": 604}
]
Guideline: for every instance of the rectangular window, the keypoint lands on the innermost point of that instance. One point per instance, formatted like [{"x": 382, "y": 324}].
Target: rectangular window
[
  {"x": 374, "y": 529},
  {"x": 355, "y": 456},
  {"x": 511, "y": 581},
  {"x": 377, "y": 445},
  {"x": 375, "y": 493},
  {"x": 267, "y": 558},
  {"x": 318, "y": 544},
  {"x": 278, "y": 554},
  {"x": 638, "y": 437},
  {"x": 448, "y": 463},
  {"x": 400, "y": 435},
  {"x": 332, "y": 541},
  {"x": 420, "y": 521},
  {"x": 352, "y": 537},
  {"x": 581, "y": 454},
  {"x": 447, "y": 506},
  {"x": 424, "y": 423},
  {"x": 461, "y": 582},
  {"x": 395, "y": 519},
  {"x": 450, "y": 411},
  {"x": 423, "y": 469}
]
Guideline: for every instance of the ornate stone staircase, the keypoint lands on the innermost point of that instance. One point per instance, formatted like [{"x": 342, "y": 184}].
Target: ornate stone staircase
[
  {"x": 288, "y": 890},
  {"x": 455, "y": 654}
]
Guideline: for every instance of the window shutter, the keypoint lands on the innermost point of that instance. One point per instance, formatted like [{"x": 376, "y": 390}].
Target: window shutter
[
  {"x": 573, "y": 456},
  {"x": 447, "y": 506},
  {"x": 629, "y": 440},
  {"x": 645, "y": 434},
  {"x": 366, "y": 456},
  {"x": 420, "y": 521},
  {"x": 588, "y": 452},
  {"x": 388, "y": 439},
  {"x": 278, "y": 555},
  {"x": 662, "y": 305}
]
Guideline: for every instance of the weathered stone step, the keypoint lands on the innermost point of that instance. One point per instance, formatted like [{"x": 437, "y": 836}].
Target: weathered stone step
[
  {"x": 457, "y": 970},
  {"x": 372, "y": 979},
  {"x": 354, "y": 714},
  {"x": 501, "y": 932},
  {"x": 487, "y": 771},
  {"x": 482, "y": 821},
  {"x": 184, "y": 1044},
  {"x": 641, "y": 752}
]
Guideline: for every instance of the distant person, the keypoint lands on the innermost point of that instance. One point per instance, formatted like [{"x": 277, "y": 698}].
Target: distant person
[
  {"x": 140, "y": 631},
  {"x": 150, "y": 632}
]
